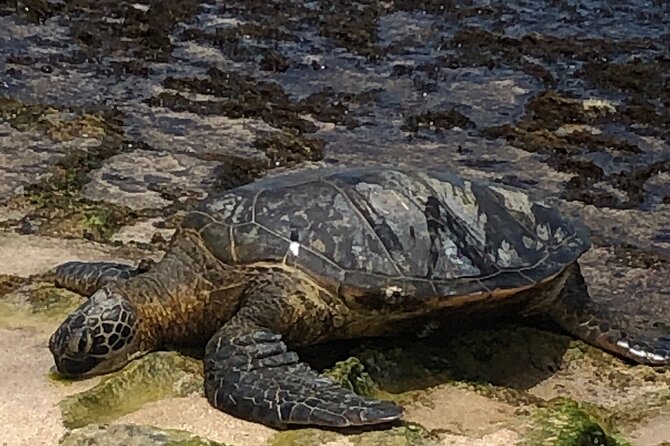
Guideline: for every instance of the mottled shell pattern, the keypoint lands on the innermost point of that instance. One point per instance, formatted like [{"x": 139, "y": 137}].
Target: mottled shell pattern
[{"x": 418, "y": 233}]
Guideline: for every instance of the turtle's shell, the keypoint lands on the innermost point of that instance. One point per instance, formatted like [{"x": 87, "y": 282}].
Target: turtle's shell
[{"x": 388, "y": 230}]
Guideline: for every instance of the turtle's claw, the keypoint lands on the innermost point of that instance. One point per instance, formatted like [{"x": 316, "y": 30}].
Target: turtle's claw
[
  {"x": 603, "y": 327},
  {"x": 253, "y": 376},
  {"x": 652, "y": 351}
]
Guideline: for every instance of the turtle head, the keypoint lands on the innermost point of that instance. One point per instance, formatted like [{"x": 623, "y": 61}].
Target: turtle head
[{"x": 98, "y": 337}]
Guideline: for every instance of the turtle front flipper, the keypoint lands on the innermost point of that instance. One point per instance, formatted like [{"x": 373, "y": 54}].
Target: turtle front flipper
[
  {"x": 87, "y": 277},
  {"x": 250, "y": 373},
  {"x": 596, "y": 324}
]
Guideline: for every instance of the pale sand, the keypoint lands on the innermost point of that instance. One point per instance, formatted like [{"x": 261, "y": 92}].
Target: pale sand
[
  {"x": 24, "y": 255},
  {"x": 29, "y": 414}
]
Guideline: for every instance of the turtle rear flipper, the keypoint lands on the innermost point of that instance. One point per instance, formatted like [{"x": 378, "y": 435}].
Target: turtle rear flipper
[
  {"x": 596, "y": 324},
  {"x": 87, "y": 277},
  {"x": 250, "y": 374}
]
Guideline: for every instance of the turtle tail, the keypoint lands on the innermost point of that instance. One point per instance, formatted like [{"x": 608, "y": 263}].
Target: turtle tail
[
  {"x": 87, "y": 277},
  {"x": 598, "y": 325}
]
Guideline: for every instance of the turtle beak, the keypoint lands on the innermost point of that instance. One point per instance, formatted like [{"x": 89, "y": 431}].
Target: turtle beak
[
  {"x": 75, "y": 368},
  {"x": 66, "y": 366}
]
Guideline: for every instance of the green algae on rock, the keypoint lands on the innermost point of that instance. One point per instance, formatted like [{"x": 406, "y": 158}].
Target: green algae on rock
[
  {"x": 504, "y": 364},
  {"x": 52, "y": 301},
  {"x": 289, "y": 148},
  {"x": 303, "y": 437},
  {"x": 351, "y": 375},
  {"x": 438, "y": 120},
  {"x": 569, "y": 131},
  {"x": 157, "y": 376},
  {"x": 53, "y": 199},
  {"x": 35, "y": 303},
  {"x": 567, "y": 423},
  {"x": 9, "y": 283},
  {"x": 130, "y": 434}
]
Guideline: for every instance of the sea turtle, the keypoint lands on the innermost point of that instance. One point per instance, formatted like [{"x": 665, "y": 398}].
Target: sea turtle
[{"x": 333, "y": 253}]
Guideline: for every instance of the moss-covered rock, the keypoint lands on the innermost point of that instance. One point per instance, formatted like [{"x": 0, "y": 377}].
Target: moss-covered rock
[
  {"x": 9, "y": 283},
  {"x": 523, "y": 367},
  {"x": 53, "y": 203},
  {"x": 567, "y": 423},
  {"x": 351, "y": 375},
  {"x": 156, "y": 376},
  {"x": 35, "y": 302},
  {"x": 131, "y": 435}
]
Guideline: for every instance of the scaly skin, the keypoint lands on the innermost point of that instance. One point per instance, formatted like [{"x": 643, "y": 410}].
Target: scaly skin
[
  {"x": 190, "y": 295},
  {"x": 86, "y": 278},
  {"x": 248, "y": 312}
]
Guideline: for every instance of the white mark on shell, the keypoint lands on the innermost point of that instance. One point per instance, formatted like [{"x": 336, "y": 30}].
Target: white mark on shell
[
  {"x": 507, "y": 255},
  {"x": 559, "y": 235},
  {"x": 401, "y": 200},
  {"x": 542, "y": 232},
  {"x": 294, "y": 247},
  {"x": 516, "y": 201},
  {"x": 463, "y": 202},
  {"x": 451, "y": 263},
  {"x": 530, "y": 243},
  {"x": 140, "y": 7}
]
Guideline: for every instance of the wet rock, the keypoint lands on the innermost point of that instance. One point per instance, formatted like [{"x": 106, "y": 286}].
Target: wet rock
[
  {"x": 131, "y": 435},
  {"x": 26, "y": 168},
  {"x": 289, "y": 149},
  {"x": 608, "y": 171},
  {"x": 339, "y": 108},
  {"x": 60, "y": 216},
  {"x": 357, "y": 32},
  {"x": 47, "y": 135},
  {"x": 47, "y": 202},
  {"x": 146, "y": 179},
  {"x": 234, "y": 96},
  {"x": 207, "y": 137},
  {"x": 144, "y": 232},
  {"x": 437, "y": 120},
  {"x": 483, "y": 381}
]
